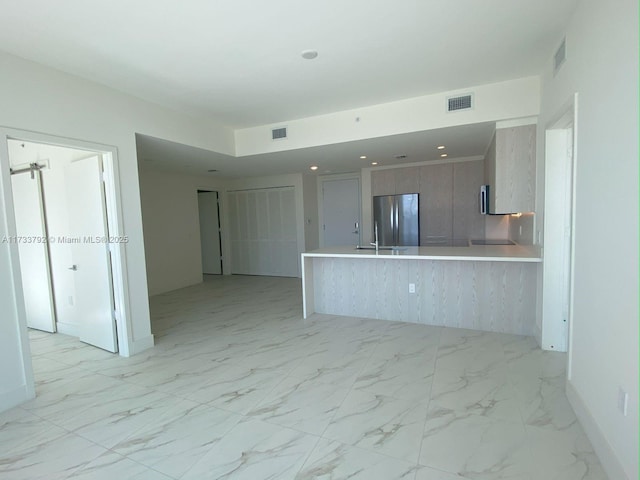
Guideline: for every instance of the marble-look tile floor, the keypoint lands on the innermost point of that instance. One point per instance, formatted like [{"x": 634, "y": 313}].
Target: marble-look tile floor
[{"x": 239, "y": 387}]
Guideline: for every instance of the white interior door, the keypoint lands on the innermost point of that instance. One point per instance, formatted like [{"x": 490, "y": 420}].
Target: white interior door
[
  {"x": 556, "y": 270},
  {"x": 341, "y": 212},
  {"x": 90, "y": 253},
  {"x": 210, "y": 233},
  {"x": 33, "y": 251}
]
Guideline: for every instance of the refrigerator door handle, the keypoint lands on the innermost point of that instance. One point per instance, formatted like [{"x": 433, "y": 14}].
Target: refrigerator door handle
[{"x": 396, "y": 233}]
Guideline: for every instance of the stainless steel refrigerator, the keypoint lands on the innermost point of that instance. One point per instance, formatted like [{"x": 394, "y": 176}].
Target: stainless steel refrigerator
[{"x": 397, "y": 217}]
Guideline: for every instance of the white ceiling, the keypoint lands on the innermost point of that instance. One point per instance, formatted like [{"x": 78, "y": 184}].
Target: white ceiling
[
  {"x": 22, "y": 153},
  {"x": 462, "y": 141},
  {"x": 238, "y": 61}
]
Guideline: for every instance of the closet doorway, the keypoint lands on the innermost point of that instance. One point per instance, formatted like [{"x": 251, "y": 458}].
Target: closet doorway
[{"x": 210, "y": 240}]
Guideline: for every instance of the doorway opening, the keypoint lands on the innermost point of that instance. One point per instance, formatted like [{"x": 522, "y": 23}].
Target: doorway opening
[
  {"x": 210, "y": 232},
  {"x": 68, "y": 237}
]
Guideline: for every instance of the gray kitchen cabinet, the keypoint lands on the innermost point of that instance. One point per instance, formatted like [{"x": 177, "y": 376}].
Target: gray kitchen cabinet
[
  {"x": 448, "y": 197},
  {"x": 436, "y": 203},
  {"x": 383, "y": 182},
  {"x": 407, "y": 180},
  {"x": 468, "y": 222},
  {"x": 510, "y": 170}
]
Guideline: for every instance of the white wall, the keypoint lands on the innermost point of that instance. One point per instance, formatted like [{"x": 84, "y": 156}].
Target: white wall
[
  {"x": 171, "y": 224},
  {"x": 497, "y": 101},
  {"x": 16, "y": 375},
  {"x": 37, "y": 98},
  {"x": 602, "y": 66},
  {"x": 172, "y": 227}
]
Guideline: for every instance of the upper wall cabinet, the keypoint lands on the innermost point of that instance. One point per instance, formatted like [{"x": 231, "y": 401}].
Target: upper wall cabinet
[{"x": 510, "y": 170}]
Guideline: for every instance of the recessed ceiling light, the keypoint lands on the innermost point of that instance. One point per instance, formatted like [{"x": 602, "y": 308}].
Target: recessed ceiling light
[
  {"x": 363, "y": 157},
  {"x": 444, "y": 155},
  {"x": 440, "y": 147},
  {"x": 313, "y": 167},
  {"x": 309, "y": 54},
  {"x": 374, "y": 163}
]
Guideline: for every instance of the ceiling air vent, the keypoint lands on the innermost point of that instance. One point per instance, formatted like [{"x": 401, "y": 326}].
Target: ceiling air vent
[
  {"x": 279, "y": 133},
  {"x": 463, "y": 102},
  {"x": 560, "y": 56}
]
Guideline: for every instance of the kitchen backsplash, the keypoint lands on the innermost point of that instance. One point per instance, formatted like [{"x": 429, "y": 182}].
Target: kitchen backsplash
[
  {"x": 521, "y": 229},
  {"x": 497, "y": 226}
]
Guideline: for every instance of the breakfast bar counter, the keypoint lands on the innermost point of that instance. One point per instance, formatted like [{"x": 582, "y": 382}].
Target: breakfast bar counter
[
  {"x": 482, "y": 253},
  {"x": 491, "y": 288}
]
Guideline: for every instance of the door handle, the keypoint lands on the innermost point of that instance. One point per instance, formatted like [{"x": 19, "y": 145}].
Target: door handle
[{"x": 73, "y": 267}]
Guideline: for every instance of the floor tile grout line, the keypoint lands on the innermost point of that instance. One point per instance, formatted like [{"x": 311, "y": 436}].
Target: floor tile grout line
[
  {"x": 351, "y": 388},
  {"x": 280, "y": 323},
  {"x": 308, "y": 455}
]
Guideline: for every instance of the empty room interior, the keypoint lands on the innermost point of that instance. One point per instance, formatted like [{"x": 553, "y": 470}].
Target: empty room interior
[{"x": 347, "y": 240}]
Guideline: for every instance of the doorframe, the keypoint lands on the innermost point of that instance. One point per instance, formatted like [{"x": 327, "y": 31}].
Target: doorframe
[
  {"x": 328, "y": 178},
  {"x": 566, "y": 119},
  {"x": 113, "y": 201},
  {"x": 220, "y": 231}
]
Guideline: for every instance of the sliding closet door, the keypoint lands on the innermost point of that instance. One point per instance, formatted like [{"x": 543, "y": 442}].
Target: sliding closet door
[
  {"x": 33, "y": 251},
  {"x": 263, "y": 232}
]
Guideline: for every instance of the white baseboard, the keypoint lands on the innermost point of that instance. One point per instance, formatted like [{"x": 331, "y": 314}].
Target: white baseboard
[
  {"x": 537, "y": 333},
  {"x": 136, "y": 347},
  {"x": 140, "y": 345},
  {"x": 68, "y": 329},
  {"x": 15, "y": 397},
  {"x": 608, "y": 458}
]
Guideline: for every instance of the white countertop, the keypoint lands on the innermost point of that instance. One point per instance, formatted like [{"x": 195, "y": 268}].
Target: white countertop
[{"x": 482, "y": 253}]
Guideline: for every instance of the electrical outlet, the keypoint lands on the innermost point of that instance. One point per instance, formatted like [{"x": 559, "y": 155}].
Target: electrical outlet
[
  {"x": 412, "y": 288},
  {"x": 623, "y": 401},
  {"x": 520, "y": 230}
]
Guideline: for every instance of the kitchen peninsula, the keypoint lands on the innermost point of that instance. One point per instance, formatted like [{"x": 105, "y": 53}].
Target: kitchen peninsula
[{"x": 491, "y": 288}]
